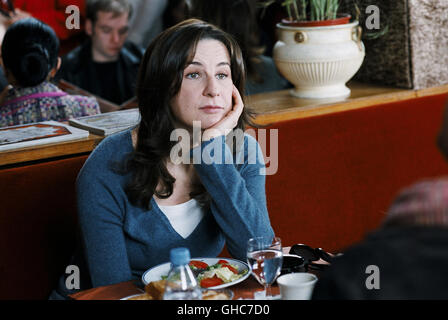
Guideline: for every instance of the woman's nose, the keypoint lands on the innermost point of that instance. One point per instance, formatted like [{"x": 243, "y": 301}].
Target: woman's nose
[{"x": 212, "y": 87}]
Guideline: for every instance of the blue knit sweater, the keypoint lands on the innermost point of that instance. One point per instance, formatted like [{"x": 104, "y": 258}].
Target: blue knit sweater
[{"x": 121, "y": 241}]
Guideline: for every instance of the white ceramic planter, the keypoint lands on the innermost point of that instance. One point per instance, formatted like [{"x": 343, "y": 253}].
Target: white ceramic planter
[{"x": 319, "y": 60}]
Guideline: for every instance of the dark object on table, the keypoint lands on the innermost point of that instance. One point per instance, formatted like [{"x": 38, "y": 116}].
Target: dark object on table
[
  {"x": 309, "y": 255},
  {"x": 292, "y": 264}
]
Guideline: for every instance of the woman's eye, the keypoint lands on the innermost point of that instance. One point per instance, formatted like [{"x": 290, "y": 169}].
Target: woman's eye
[
  {"x": 221, "y": 76},
  {"x": 193, "y": 75}
]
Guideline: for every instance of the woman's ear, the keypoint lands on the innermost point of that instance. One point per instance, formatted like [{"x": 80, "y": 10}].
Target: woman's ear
[
  {"x": 56, "y": 68},
  {"x": 58, "y": 64}
]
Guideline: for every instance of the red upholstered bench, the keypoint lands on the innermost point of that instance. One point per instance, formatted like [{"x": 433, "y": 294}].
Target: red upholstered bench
[
  {"x": 337, "y": 175},
  {"x": 37, "y": 226}
]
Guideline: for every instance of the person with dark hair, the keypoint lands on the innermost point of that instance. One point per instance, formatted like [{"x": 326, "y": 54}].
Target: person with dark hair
[
  {"x": 136, "y": 200},
  {"x": 238, "y": 18},
  {"x": 30, "y": 59},
  {"x": 106, "y": 65}
]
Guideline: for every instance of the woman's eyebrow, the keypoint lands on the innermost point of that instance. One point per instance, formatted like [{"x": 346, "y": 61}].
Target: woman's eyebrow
[
  {"x": 196, "y": 63},
  {"x": 223, "y": 64}
]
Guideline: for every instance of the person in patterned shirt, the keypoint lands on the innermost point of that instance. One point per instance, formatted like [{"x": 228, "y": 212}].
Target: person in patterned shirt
[{"x": 30, "y": 60}]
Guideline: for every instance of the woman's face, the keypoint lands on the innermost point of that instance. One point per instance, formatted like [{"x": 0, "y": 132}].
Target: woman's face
[{"x": 206, "y": 91}]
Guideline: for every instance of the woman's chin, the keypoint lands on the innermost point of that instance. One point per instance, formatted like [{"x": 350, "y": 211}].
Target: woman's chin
[{"x": 209, "y": 123}]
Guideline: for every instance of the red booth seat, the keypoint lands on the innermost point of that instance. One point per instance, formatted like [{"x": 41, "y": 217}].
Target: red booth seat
[{"x": 37, "y": 226}]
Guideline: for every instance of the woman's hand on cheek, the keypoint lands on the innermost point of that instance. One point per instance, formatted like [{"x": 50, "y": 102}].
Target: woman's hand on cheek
[{"x": 230, "y": 120}]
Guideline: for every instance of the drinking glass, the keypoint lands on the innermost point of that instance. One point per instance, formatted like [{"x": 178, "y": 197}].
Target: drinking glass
[{"x": 265, "y": 257}]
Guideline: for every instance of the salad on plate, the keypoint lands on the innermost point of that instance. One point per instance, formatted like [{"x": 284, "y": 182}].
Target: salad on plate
[
  {"x": 217, "y": 274},
  {"x": 211, "y": 273}
]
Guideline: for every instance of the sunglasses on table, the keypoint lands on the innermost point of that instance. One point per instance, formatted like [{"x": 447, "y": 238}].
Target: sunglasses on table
[{"x": 304, "y": 258}]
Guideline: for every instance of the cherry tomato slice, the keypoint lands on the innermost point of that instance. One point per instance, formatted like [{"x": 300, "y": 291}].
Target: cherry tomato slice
[
  {"x": 211, "y": 282},
  {"x": 223, "y": 262},
  {"x": 198, "y": 264},
  {"x": 228, "y": 266}
]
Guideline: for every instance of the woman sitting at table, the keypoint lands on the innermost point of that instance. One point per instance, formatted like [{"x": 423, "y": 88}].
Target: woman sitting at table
[
  {"x": 136, "y": 200},
  {"x": 30, "y": 58}
]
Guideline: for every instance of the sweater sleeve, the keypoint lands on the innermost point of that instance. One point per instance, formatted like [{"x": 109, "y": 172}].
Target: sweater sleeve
[
  {"x": 237, "y": 188},
  {"x": 101, "y": 220}
]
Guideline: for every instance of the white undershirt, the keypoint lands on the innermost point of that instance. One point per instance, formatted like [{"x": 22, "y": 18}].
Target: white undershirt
[{"x": 184, "y": 217}]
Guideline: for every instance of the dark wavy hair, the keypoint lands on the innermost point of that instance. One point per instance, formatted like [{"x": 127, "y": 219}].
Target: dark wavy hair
[
  {"x": 29, "y": 51},
  {"x": 238, "y": 18},
  {"x": 159, "y": 80}
]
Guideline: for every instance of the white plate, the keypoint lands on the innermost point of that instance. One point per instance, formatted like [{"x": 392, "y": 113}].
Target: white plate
[
  {"x": 227, "y": 292},
  {"x": 156, "y": 273},
  {"x": 131, "y": 296}
]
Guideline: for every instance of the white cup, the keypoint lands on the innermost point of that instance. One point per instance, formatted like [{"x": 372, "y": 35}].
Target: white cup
[{"x": 296, "y": 286}]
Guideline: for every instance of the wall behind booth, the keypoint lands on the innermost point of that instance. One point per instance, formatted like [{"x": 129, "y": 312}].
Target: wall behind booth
[{"x": 338, "y": 173}]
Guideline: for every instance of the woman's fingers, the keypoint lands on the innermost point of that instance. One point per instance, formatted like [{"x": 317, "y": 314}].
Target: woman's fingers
[
  {"x": 238, "y": 101},
  {"x": 237, "y": 108},
  {"x": 230, "y": 121}
]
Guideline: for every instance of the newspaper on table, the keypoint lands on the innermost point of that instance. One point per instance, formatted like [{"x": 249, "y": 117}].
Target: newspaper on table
[
  {"x": 107, "y": 123},
  {"x": 38, "y": 134}
]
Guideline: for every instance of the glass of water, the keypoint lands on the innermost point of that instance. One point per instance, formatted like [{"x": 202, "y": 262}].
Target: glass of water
[{"x": 265, "y": 257}]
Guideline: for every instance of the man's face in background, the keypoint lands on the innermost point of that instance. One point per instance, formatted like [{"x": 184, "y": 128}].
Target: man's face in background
[{"x": 108, "y": 34}]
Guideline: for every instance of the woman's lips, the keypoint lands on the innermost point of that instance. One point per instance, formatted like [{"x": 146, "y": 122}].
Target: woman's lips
[{"x": 211, "y": 109}]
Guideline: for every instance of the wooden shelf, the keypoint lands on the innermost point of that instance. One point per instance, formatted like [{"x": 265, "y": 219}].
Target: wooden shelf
[
  {"x": 51, "y": 150},
  {"x": 281, "y": 106}
]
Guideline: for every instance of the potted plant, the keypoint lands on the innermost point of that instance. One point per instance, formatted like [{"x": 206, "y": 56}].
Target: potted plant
[{"x": 318, "y": 49}]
